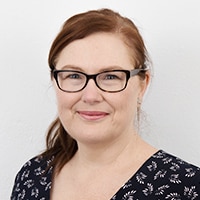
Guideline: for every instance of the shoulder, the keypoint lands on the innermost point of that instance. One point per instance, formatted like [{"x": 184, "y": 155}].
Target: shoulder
[
  {"x": 163, "y": 176},
  {"x": 180, "y": 177},
  {"x": 33, "y": 180},
  {"x": 174, "y": 165}
]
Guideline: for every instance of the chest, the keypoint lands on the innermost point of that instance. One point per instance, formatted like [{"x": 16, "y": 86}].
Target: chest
[{"x": 96, "y": 186}]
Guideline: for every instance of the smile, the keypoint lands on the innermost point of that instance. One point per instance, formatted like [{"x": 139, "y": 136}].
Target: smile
[{"x": 92, "y": 115}]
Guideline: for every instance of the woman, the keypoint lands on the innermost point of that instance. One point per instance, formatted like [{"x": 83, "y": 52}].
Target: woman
[{"x": 99, "y": 70}]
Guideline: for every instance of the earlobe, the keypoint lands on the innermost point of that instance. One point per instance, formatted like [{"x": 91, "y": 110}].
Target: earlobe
[
  {"x": 147, "y": 78},
  {"x": 139, "y": 101}
]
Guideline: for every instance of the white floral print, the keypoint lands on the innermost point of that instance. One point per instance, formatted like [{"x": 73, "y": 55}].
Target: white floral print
[{"x": 161, "y": 177}]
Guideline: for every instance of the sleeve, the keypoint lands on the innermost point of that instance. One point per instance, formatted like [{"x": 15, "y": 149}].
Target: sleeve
[
  {"x": 32, "y": 181},
  {"x": 192, "y": 183},
  {"x": 19, "y": 190},
  {"x": 194, "y": 190}
]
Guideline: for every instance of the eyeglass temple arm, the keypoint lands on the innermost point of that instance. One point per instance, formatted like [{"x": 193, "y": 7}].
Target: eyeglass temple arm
[{"x": 137, "y": 71}]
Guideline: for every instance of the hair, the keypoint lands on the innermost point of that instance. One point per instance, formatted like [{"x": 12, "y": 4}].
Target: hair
[{"x": 59, "y": 143}]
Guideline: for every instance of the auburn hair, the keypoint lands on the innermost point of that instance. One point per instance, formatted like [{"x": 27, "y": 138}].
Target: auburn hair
[{"x": 59, "y": 143}]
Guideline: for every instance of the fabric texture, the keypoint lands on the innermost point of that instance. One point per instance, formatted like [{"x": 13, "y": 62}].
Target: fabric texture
[{"x": 162, "y": 176}]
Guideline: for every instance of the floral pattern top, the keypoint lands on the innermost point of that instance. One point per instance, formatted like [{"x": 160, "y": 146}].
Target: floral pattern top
[{"x": 162, "y": 176}]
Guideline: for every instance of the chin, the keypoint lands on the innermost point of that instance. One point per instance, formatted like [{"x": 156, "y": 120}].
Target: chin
[{"x": 91, "y": 137}]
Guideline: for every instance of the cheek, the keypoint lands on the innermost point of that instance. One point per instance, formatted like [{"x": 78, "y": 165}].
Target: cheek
[
  {"x": 130, "y": 104},
  {"x": 129, "y": 100},
  {"x": 64, "y": 101},
  {"x": 125, "y": 104},
  {"x": 60, "y": 98}
]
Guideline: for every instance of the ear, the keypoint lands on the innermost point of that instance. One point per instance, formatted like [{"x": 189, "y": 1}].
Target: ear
[{"x": 144, "y": 83}]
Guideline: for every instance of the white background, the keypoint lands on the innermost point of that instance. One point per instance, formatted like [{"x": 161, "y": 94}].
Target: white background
[{"x": 171, "y": 30}]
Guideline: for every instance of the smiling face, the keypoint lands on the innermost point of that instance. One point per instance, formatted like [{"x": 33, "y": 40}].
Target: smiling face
[{"x": 93, "y": 116}]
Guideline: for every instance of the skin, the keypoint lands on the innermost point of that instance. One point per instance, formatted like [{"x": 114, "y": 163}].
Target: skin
[{"x": 102, "y": 123}]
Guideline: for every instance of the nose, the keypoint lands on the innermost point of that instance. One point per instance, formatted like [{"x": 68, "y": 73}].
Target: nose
[{"x": 91, "y": 93}]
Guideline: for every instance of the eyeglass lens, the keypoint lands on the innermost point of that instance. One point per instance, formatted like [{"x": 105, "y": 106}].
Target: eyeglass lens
[{"x": 73, "y": 81}]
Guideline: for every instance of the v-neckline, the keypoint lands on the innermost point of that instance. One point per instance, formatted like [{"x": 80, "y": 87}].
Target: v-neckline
[
  {"x": 134, "y": 175},
  {"x": 129, "y": 180}
]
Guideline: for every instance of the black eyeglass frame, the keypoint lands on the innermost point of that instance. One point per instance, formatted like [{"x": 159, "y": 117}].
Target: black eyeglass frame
[{"x": 129, "y": 74}]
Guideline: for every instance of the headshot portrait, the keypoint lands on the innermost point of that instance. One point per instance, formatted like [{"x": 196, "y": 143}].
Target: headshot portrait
[{"x": 100, "y": 100}]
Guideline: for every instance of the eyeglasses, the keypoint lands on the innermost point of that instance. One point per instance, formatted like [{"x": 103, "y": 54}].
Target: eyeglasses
[{"x": 108, "y": 81}]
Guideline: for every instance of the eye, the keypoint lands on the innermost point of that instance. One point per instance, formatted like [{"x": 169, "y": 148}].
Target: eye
[
  {"x": 74, "y": 76},
  {"x": 70, "y": 75},
  {"x": 111, "y": 76},
  {"x": 114, "y": 76}
]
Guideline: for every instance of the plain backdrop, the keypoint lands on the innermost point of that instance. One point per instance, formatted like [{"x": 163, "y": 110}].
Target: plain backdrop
[{"x": 171, "y": 30}]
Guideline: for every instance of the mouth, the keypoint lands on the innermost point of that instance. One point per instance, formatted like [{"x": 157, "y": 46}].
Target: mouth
[{"x": 92, "y": 115}]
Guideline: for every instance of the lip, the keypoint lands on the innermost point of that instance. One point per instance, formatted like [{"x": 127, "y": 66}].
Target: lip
[{"x": 92, "y": 115}]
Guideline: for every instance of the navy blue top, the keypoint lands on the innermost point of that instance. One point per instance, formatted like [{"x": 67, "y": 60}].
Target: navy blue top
[{"x": 162, "y": 176}]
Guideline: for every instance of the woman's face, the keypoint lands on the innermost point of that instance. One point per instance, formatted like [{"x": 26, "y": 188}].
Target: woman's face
[{"x": 93, "y": 116}]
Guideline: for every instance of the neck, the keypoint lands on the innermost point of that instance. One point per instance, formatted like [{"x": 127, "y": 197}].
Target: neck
[{"x": 108, "y": 154}]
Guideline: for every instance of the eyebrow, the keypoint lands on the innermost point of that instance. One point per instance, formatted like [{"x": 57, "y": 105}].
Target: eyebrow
[
  {"x": 76, "y": 68},
  {"x": 71, "y": 67}
]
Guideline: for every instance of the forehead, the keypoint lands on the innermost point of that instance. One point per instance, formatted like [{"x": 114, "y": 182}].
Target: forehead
[{"x": 100, "y": 49}]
